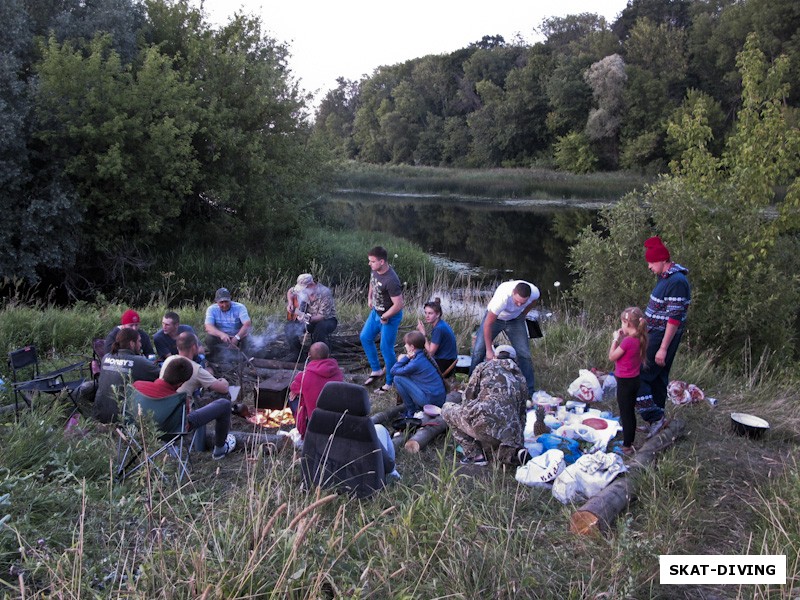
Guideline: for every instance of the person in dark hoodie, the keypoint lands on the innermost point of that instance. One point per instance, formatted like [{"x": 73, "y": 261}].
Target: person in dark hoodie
[
  {"x": 307, "y": 385},
  {"x": 123, "y": 365},
  {"x": 666, "y": 321}
]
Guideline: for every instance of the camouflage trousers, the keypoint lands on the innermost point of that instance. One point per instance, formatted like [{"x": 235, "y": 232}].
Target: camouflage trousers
[{"x": 475, "y": 437}]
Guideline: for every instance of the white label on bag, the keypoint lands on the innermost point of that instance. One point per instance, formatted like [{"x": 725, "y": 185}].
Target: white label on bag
[{"x": 699, "y": 569}]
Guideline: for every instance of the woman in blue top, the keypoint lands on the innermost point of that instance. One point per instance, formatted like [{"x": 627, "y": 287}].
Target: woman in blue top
[
  {"x": 442, "y": 347},
  {"x": 416, "y": 377}
]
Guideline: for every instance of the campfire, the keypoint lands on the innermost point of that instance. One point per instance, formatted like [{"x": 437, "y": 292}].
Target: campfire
[{"x": 272, "y": 418}]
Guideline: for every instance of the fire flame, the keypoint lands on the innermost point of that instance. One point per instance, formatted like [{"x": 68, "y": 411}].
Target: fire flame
[{"x": 272, "y": 418}]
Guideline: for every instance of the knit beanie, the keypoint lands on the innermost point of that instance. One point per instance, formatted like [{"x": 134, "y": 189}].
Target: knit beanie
[
  {"x": 655, "y": 251},
  {"x": 129, "y": 317}
]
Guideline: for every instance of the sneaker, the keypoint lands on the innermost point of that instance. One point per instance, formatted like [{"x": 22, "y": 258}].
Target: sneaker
[
  {"x": 477, "y": 461},
  {"x": 221, "y": 452},
  {"x": 656, "y": 427},
  {"x": 523, "y": 456}
]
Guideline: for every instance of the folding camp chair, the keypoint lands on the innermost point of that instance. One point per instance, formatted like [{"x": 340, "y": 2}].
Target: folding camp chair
[
  {"x": 341, "y": 448},
  {"x": 171, "y": 417},
  {"x": 26, "y": 361}
]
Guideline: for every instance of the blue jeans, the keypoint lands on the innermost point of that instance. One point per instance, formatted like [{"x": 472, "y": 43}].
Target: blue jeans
[
  {"x": 414, "y": 397},
  {"x": 385, "y": 438},
  {"x": 388, "y": 333},
  {"x": 652, "y": 396},
  {"x": 218, "y": 410},
  {"x": 517, "y": 333}
]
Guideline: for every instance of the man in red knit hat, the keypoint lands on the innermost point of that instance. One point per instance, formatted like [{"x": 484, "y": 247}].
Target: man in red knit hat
[
  {"x": 130, "y": 320},
  {"x": 666, "y": 321}
]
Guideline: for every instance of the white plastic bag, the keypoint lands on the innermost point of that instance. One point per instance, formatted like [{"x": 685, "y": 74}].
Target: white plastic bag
[
  {"x": 587, "y": 476},
  {"x": 586, "y": 387},
  {"x": 542, "y": 469}
]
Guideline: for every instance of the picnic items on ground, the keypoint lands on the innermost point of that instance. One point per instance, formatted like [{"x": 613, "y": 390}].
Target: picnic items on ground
[
  {"x": 682, "y": 393},
  {"x": 586, "y": 387},
  {"x": 587, "y": 476},
  {"x": 541, "y": 470}
]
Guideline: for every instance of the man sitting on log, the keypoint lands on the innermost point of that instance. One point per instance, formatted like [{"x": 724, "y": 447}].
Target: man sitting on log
[
  {"x": 307, "y": 385},
  {"x": 130, "y": 320},
  {"x": 176, "y": 373},
  {"x": 310, "y": 308},
  {"x": 492, "y": 416},
  {"x": 166, "y": 338},
  {"x": 187, "y": 346},
  {"x": 227, "y": 325}
]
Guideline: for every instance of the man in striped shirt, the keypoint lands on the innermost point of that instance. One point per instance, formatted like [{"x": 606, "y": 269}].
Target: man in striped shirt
[{"x": 666, "y": 321}]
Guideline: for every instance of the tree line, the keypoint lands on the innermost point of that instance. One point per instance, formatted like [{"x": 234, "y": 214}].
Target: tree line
[
  {"x": 133, "y": 128},
  {"x": 592, "y": 96}
]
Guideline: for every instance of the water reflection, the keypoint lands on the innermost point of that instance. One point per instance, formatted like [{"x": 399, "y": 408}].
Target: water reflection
[{"x": 528, "y": 241}]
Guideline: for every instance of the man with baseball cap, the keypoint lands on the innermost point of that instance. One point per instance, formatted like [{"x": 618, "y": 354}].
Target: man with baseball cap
[
  {"x": 490, "y": 421},
  {"x": 310, "y": 308},
  {"x": 666, "y": 321},
  {"x": 227, "y": 324},
  {"x": 130, "y": 320}
]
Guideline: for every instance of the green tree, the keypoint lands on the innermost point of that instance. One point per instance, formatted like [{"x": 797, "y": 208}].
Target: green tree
[
  {"x": 713, "y": 213},
  {"x": 39, "y": 211},
  {"x": 574, "y": 153},
  {"x": 124, "y": 139}
]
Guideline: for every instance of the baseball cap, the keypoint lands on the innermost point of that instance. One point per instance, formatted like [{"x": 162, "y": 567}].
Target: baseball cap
[
  {"x": 303, "y": 281},
  {"x": 222, "y": 294},
  {"x": 506, "y": 348}
]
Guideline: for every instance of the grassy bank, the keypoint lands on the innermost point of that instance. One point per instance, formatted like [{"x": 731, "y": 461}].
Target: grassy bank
[
  {"x": 243, "y": 528},
  {"x": 487, "y": 183}
]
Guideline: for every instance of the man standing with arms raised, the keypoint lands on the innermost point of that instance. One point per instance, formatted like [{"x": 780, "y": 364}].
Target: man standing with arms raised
[
  {"x": 511, "y": 302},
  {"x": 386, "y": 303}
]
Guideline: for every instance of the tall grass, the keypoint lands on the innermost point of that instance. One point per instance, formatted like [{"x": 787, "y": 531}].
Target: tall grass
[
  {"x": 487, "y": 183},
  {"x": 188, "y": 274},
  {"x": 244, "y": 528}
]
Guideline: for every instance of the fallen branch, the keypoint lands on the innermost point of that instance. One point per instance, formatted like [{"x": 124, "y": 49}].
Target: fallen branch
[
  {"x": 598, "y": 512},
  {"x": 429, "y": 431}
]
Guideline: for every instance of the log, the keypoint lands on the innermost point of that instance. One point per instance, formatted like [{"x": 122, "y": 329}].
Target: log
[
  {"x": 429, "y": 431},
  {"x": 387, "y": 416},
  {"x": 268, "y": 363},
  {"x": 597, "y": 514}
]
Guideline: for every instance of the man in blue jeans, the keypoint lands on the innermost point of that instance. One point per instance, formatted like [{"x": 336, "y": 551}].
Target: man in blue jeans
[
  {"x": 511, "y": 302},
  {"x": 178, "y": 371},
  {"x": 386, "y": 303}
]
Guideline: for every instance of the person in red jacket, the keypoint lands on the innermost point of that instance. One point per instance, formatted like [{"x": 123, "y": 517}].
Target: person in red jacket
[{"x": 308, "y": 384}]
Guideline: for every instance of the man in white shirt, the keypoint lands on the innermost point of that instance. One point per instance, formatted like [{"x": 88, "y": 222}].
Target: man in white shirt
[
  {"x": 511, "y": 302},
  {"x": 187, "y": 347}
]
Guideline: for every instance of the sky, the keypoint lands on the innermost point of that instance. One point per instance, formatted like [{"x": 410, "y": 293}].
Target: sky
[{"x": 350, "y": 38}]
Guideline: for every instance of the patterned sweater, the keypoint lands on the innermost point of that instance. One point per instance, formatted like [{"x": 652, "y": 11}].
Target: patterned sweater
[{"x": 669, "y": 300}]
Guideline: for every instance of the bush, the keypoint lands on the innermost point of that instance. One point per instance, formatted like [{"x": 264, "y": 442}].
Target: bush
[{"x": 574, "y": 153}]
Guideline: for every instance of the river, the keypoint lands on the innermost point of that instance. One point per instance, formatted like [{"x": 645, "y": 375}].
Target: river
[{"x": 489, "y": 239}]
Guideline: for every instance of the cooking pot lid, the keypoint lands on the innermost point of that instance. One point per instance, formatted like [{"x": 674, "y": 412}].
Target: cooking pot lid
[{"x": 750, "y": 420}]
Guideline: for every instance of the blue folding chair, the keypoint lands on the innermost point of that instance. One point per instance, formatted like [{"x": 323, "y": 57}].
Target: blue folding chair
[{"x": 170, "y": 415}]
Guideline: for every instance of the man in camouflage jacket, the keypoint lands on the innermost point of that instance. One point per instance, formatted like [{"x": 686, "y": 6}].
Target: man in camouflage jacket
[{"x": 491, "y": 419}]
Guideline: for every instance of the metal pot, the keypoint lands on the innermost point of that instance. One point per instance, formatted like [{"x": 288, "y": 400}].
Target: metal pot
[{"x": 748, "y": 425}]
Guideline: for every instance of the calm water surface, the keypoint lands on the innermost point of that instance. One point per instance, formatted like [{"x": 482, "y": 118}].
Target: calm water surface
[{"x": 493, "y": 239}]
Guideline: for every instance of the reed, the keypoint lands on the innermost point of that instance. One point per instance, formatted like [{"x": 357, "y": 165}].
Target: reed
[{"x": 487, "y": 183}]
